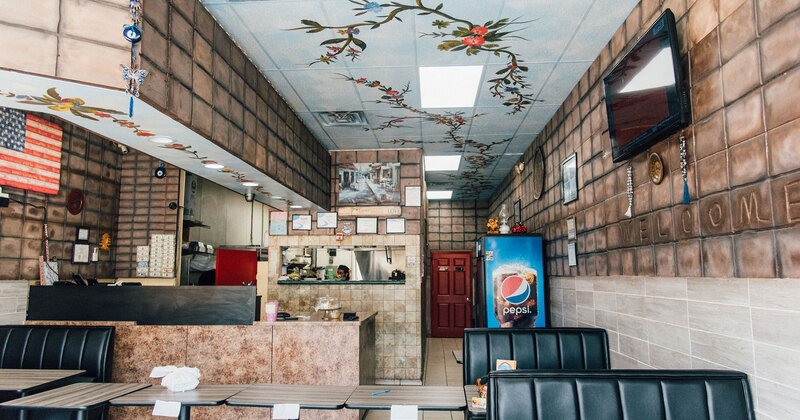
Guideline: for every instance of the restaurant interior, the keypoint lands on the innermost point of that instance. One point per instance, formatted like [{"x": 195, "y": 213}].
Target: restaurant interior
[{"x": 504, "y": 209}]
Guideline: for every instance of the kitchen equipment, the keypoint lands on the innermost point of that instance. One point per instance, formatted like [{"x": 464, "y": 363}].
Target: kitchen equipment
[{"x": 331, "y": 309}]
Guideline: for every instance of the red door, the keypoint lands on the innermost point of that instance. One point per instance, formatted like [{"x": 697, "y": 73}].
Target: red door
[{"x": 451, "y": 292}]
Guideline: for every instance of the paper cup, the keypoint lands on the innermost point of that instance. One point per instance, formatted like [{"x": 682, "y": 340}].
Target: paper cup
[{"x": 271, "y": 311}]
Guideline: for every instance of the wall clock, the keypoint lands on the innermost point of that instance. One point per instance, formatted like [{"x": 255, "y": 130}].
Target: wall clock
[
  {"x": 75, "y": 201},
  {"x": 538, "y": 173}
]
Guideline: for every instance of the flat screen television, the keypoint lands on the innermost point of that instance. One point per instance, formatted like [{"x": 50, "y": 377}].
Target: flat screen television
[{"x": 645, "y": 93}]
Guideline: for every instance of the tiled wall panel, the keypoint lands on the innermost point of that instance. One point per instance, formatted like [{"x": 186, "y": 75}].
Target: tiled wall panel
[
  {"x": 456, "y": 225},
  {"x": 744, "y": 163},
  {"x": 72, "y": 39},
  {"x": 748, "y": 325},
  {"x": 703, "y": 285},
  {"x": 88, "y": 163},
  {"x": 143, "y": 207},
  {"x": 200, "y": 77}
]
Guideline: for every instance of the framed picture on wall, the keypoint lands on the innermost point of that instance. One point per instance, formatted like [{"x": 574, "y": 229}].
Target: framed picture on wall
[
  {"x": 517, "y": 216},
  {"x": 301, "y": 222},
  {"x": 80, "y": 253},
  {"x": 413, "y": 196},
  {"x": 571, "y": 228},
  {"x": 369, "y": 183},
  {"x": 277, "y": 223},
  {"x": 366, "y": 225},
  {"x": 396, "y": 225},
  {"x": 82, "y": 234},
  {"x": 327, "y": 220},
  {"x": 569, "y": 178}
]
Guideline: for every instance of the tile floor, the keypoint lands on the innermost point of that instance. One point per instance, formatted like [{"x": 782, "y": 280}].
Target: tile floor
[{"x": 440, "y": 369}]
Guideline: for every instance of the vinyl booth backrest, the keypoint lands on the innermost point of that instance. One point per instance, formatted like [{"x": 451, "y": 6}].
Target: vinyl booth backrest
[
  {"x": 619, "y": 394},
  {"x": 534, "y": 348},
  {"x": 58, "y": 347}
]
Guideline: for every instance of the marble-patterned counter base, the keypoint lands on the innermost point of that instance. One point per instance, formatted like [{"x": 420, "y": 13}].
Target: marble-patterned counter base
[{"x": 314, "y": 353}]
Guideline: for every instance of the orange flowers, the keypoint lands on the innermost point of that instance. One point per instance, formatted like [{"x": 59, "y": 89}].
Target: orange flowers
[
  {"x": 473, "y": 41},
  {"x": 479, "y": 30}
]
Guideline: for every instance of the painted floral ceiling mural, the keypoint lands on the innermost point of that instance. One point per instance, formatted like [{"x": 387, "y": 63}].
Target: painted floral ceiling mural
[{"x": 359, "y": 55}]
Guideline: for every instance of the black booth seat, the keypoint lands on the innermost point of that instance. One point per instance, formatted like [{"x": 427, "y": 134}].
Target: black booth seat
[
  {"x": 534, "y": 348},
  {"x": 69, "y": 347},
  {"x": 619, "y": 394}
]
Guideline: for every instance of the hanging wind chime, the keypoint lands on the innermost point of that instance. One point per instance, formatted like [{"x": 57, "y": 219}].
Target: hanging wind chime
[
  {"x": 133, "y": 75},
  {"x": 629, "y": 191},
  {"x": 684, "y": 171}
]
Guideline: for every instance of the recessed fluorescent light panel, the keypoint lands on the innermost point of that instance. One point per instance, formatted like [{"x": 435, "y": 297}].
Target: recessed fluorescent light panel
[
  {"x": 449, "y": 87},
  {"x": 440, "y": 195},
  {"x": 442, "y": 163}
]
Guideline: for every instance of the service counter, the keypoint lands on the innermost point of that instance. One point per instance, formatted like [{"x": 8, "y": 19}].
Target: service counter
[{"x": 311, "y": 352}]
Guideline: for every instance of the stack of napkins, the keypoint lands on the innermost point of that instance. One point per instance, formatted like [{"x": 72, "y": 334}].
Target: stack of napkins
[{"x": 177, "y": 379}]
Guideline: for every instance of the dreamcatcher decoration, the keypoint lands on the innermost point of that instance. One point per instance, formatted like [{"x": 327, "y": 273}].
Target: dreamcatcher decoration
[
  {"x": 132, "y": 75},
  {"x": 684, "y": 171},
  {"x": 629, "y": 191}
]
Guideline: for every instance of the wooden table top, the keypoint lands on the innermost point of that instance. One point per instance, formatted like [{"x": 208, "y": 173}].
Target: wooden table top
[
  {"x": 79, "y": 396},
  {"x": 469, "y": 392},
  {"x": 459, "y": 356},
  {"x": 443, "y": 398},
  {"x": 320, "y": 397},
  {"x": 202, "y": 395},
  {"x": 21, "y": 380}
]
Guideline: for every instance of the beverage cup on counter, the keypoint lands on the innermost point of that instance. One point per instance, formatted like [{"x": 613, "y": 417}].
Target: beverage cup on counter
[{"x": 271, "y": 311}]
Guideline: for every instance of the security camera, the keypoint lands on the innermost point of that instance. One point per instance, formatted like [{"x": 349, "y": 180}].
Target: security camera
[
  {"x": 249, "y": 197},
  {"x": 123, "y": 148}
]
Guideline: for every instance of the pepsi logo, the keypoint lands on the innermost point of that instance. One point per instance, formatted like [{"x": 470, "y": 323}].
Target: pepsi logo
[{"x": 515, "y": 290}]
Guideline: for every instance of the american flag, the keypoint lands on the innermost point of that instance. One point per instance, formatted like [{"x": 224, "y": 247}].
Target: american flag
[{"x": 30, "y": 152}]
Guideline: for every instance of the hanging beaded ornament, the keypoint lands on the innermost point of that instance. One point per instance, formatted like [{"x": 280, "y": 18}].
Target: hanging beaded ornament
[
  {"x": 629, "y": 191},
  {"x": 133, "y": 75},
  {"x": 684, "y": 171}
]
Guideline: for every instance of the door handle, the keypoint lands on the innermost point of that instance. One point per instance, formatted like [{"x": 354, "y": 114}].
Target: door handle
[{"x": 468, "y": 300}]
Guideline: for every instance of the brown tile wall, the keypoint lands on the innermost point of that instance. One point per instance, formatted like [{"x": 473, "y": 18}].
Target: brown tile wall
[
  {"x": 401, "y": 318},
  {"x": 200, "y": 77},
  {"x": 456, "y": 225},
  {"x": 89, "y": 163},
  {"x": 741, "y": 60},
  {"x": 143, "y": 207},
  {"x": 70, "y": 39}
]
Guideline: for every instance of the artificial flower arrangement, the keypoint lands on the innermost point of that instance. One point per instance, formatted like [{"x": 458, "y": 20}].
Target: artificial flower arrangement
[{"x": 519, "y": 228}]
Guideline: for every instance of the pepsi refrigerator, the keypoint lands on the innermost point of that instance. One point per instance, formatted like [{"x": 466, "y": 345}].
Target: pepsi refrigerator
[{"x": 510, "y": 282}]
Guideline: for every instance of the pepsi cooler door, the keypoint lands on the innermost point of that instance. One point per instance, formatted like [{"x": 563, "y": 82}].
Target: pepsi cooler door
[{"x": 513, "y": 278}]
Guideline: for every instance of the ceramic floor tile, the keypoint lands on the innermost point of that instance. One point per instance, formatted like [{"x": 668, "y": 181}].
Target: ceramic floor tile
[{"x": 440, "y": 369}]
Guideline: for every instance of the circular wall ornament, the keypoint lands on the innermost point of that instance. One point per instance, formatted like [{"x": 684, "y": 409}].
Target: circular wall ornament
[
  {"x": 75, "y": 201},
  {"x": 538, "y": 173},
  {"x": 655, "y": 167}
]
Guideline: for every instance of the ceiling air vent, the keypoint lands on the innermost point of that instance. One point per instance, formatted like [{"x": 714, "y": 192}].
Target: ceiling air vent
[{"x": 342, "y": 118}]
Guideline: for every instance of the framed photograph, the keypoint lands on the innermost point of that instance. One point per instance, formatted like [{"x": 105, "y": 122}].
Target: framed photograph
[
  {"x": 396, "y": 225},
  {"x": 569, "y": 178},
  {"x": 369, "y": 183},
  {"x": 82, "y": 234},
  {"x": 327, "y": 220},
  {"x": 413, "y": 196},
  {"x": 571, "y": 228},
  {"x": 572, "y": 258},
  {"x": 301, "y": 222},
  {"x": 277, "y": 223},
  {"x": 366, "y": 225},
  {"x": 80, "y": 253},
  {"x": 517, "y": 216}
]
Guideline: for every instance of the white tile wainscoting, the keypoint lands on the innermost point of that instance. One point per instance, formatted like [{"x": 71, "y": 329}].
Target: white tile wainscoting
[{"x": 751, "y": 325}]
